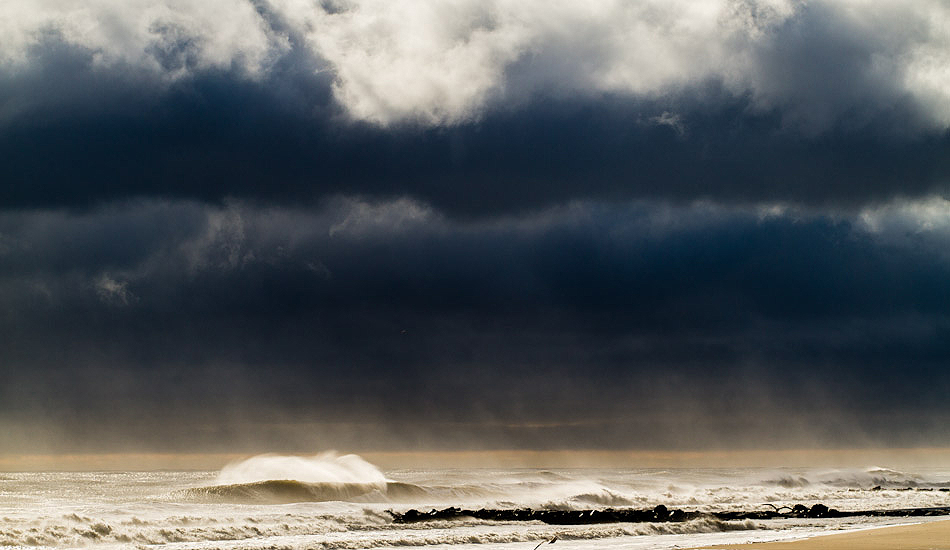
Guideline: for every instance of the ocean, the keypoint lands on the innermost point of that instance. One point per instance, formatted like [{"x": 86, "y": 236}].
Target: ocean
[{"x": 332, "y": 501}]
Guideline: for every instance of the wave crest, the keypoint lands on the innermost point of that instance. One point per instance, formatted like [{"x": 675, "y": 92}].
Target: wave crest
[
  {"x": 285, "y": 491},
  {"x": 604, "y": 498},
  {"x": 322, "y": 468}
]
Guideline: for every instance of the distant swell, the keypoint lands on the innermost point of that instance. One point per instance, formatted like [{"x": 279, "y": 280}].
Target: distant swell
[
  {"x": 287, "y": 491},
  {"x": 790, "y": 482}
]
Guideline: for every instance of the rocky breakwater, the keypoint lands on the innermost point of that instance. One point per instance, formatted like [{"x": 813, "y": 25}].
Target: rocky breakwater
[{"x": 658, "y": 514}]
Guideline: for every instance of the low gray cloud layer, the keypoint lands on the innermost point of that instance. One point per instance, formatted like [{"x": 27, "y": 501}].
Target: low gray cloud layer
[{"x": 633, "y": 317}]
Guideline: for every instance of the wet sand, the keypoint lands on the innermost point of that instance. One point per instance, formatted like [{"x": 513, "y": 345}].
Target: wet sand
[{"x": 933, "y": 535}]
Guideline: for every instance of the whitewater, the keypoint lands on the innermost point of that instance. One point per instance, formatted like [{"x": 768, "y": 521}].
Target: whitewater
[{"x": 342, "y": 501}]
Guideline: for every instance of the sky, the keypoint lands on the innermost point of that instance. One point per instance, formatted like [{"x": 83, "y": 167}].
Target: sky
[{"x": 235, "y": 226}]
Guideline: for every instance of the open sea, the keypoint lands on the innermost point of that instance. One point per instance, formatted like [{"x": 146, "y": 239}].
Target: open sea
[{"x": 331, "y": 501}]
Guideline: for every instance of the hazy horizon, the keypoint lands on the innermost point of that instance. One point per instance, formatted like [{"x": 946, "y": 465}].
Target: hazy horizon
[{"x": 771, "y": 459}]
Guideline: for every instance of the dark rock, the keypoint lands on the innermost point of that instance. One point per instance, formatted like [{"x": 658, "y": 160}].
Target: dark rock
[
  {"x": 799, "y": 511},
  {"x": 818, "y": 511},
  {"x": 659, "y": 513}
]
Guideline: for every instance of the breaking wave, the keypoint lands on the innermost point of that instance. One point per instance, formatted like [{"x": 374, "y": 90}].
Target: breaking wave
[
  {"x": 789, "y": 482},
  {"x": 328, "y": 477},
  {"x": 322, "y": 468},
  {"x": 870, "y": 478},
  {"x": 604, "y": 498},
  {"x": 283, "y": 491},
  {"x": 276, "y": 479},
  {"x": 280, "y": 491}
]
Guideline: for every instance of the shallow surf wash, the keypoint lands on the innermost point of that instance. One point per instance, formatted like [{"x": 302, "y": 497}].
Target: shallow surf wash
[{"x": 331, "y": 501}]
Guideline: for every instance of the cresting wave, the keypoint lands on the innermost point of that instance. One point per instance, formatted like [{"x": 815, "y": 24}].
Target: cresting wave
[
  {"x": 275, "y": 479},
  {"x": 326, "y": 467},
  {"x": 283, "y": 491},
  {"x": 874, "y": 477}
]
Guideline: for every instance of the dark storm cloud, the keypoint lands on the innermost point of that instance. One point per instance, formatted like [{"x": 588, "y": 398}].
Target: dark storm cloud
[
  {"x": 416, "y": 224},
  {"x": 215, "y": 138},
  {"x": 628, "y": 318},
  {"x": 823, "y": 112}
]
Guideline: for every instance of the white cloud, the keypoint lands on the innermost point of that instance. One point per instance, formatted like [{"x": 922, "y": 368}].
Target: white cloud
[
  {"x": 448, "y": 61},
  {"x": 222, "y": 244},
  {"x": 444, "y": 62},
  {"x": 908, "y": 218},
  {"x": 114, "y": 292},
  {"x": 927, "y": 71},
  {"x": 360, "y": 218},
  {"x": 431, "y": 62},
  {"x": 672, "y": 120},
  {"x": 171, "y": 37}
]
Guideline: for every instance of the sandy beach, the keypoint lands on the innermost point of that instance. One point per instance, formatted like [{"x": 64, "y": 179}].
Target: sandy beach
[{"x": 926, "y": 536}]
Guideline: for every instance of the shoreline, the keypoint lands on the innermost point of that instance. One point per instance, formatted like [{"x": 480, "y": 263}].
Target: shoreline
[{"x": 930, "y": 535}]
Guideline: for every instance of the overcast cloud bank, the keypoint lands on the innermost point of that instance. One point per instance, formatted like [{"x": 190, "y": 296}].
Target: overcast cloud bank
[
  {"x": 474, "y": 108},
  {"x": 635, "y": 318}
]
